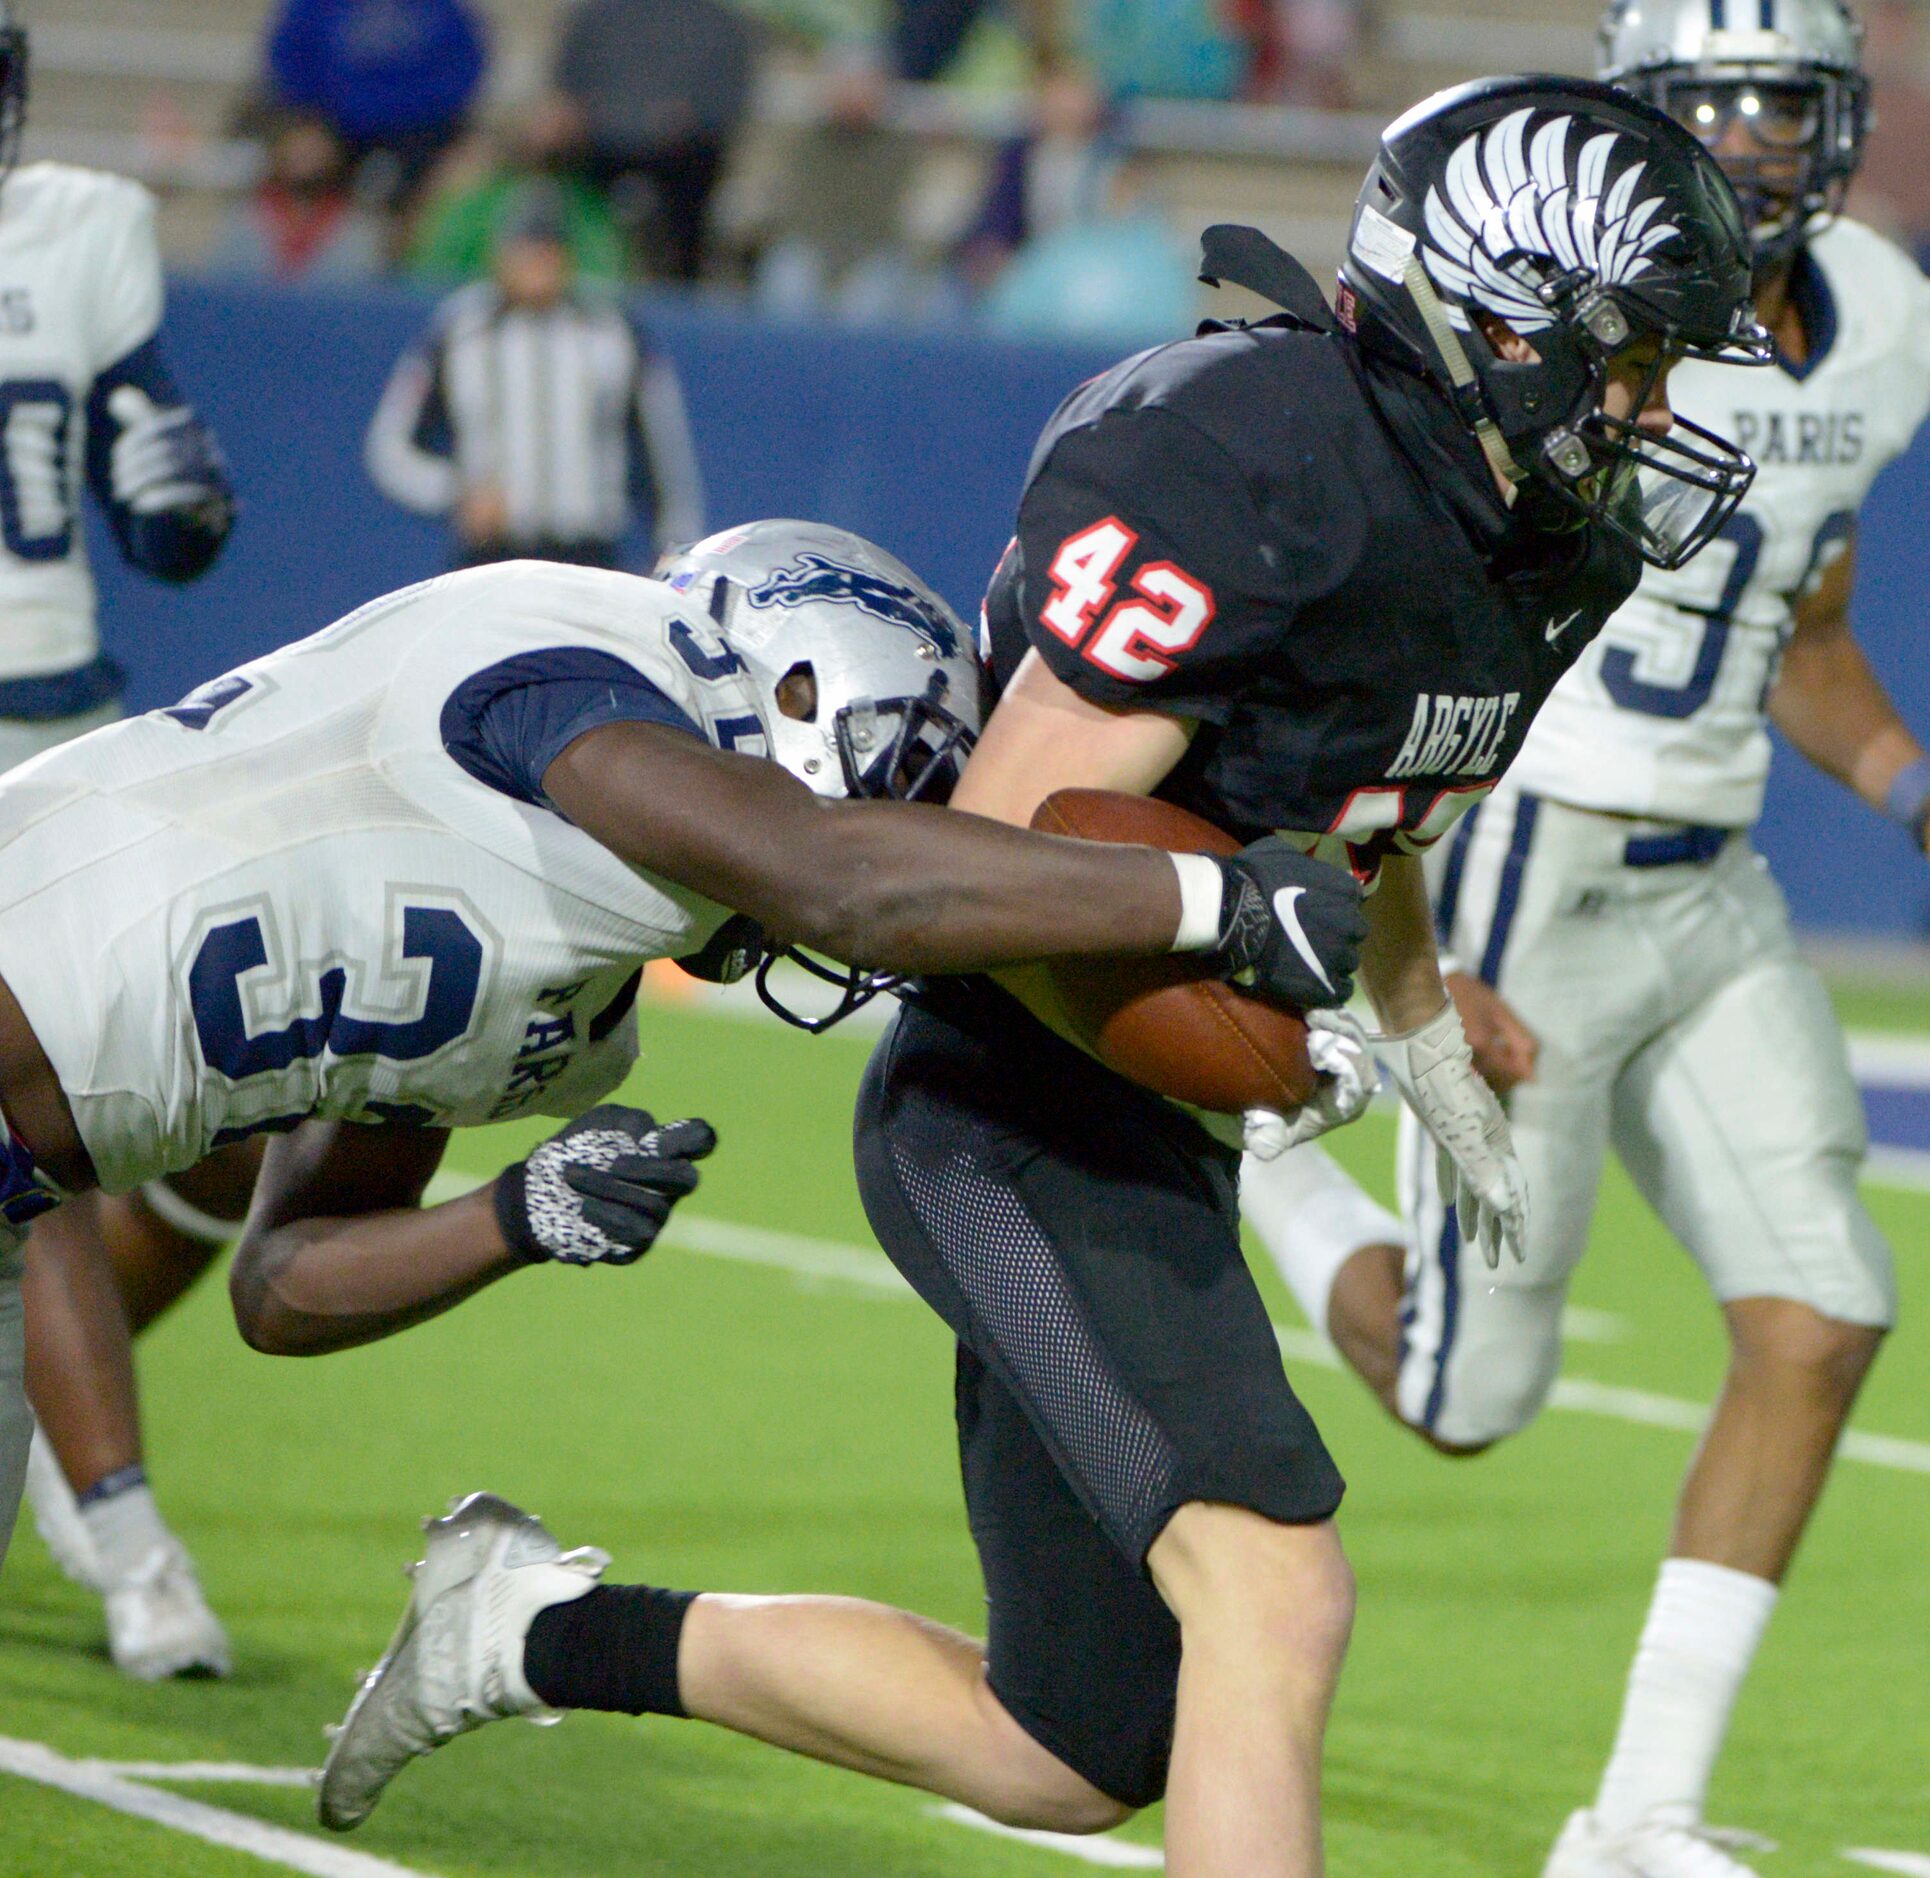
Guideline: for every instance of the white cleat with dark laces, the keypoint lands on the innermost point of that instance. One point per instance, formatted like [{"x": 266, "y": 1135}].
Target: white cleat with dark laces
[
  {"x": 1651, "y": 1850},
  {"x": 456, "y": 1660}
]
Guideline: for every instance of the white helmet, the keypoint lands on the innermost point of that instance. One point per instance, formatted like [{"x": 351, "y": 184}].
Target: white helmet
[
  {"x": 864, "y": 675},
  {"x": 1792, "y": 69}
]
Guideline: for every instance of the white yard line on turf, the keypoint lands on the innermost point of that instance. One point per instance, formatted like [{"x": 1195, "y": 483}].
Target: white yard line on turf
[
  {"x": 1909, "y": 1864},
  {"x": 218, "y": 1773},
  {"x": 830, "y": 1259},
  {"x": 275, "y": 1845},
  {"x": 1095, "y": 1850},
  {"x": 833, "y": 1261}
]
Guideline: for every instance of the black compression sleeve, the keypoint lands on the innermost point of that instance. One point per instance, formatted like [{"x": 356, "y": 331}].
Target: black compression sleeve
[{"x": 614, "y": 1648}]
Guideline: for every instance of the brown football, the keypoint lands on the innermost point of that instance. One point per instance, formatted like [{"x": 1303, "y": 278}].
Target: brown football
[{"x": 1168, "y": 1022}]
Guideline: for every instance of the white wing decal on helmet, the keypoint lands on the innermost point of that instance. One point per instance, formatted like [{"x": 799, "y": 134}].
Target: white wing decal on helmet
[{"x": 1509, "y": 200}]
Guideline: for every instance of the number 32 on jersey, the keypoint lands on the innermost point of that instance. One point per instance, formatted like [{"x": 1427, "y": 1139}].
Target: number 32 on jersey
[{"x": 1141, "y": 634}]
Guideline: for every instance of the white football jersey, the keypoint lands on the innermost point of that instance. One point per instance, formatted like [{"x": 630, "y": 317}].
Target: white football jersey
[
  {"x": 1663, "y": 714},
  {"x": 284, "y": 897},
  {"x": 80, "y": 288}
]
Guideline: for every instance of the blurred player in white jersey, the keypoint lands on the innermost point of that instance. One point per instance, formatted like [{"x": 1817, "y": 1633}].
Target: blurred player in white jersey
[
  {"x": 86, "y": 400},
  {"x": 403, "y": 876},
  {"x": 1628, "y": 963}
]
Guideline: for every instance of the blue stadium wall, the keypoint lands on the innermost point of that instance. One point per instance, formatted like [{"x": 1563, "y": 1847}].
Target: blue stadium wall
[{"x": 918, "y": 442}]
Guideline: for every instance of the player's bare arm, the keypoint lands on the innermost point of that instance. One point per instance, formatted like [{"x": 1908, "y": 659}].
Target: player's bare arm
[
  {"x": 1833, "y": 707},
  {"x": 909, "y": 888},
  {"x": 900, "y": 886},
  {"x": 35, "y": 1108},
  {"x": 339, "y": 1251},
  {"x": 1044, "y": 736},
  {"x": 338, "y": 1248},
  {"x": 1398, "y": 964}
]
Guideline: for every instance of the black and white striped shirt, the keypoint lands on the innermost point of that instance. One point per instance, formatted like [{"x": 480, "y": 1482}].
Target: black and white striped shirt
[{"x": 565, "y": 409}]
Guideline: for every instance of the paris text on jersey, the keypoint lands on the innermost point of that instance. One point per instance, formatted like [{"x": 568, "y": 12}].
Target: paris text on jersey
[{"x": 1818, "y": 437}]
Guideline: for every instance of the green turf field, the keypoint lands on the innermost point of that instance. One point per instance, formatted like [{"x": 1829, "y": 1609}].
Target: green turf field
[{"x": 717, "y": 1419}]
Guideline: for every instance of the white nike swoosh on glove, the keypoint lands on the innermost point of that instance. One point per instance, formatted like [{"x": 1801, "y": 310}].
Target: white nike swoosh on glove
[{"x": 1287, "y": 913}]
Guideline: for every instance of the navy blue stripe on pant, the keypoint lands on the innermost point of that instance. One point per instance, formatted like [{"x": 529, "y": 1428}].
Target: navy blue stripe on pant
[
  {"x": 1507, "y": 899},
  {"x": 1449, "y": 902},
  {"x": 1447, "y": 1253}
]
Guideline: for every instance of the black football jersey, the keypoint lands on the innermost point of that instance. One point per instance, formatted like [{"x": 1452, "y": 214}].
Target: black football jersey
[{"x": 1266, "y": 531}]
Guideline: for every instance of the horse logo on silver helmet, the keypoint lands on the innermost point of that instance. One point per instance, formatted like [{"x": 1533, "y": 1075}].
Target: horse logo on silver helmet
[{"x": 816, "y": 577}]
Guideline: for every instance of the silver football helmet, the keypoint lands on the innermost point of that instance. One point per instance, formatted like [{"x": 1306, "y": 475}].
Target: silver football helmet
[
  {"x": 864, "y": 677},
  {"x": 1790, "y": 70}
]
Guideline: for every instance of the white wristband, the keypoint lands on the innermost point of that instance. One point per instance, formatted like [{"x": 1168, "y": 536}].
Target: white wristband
[{"x": 1202, "y": 891}]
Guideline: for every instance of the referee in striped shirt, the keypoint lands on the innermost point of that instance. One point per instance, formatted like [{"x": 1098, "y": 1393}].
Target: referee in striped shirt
[{"x": 535, "y": 415}]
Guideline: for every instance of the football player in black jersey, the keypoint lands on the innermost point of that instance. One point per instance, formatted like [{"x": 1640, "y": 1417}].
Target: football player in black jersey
[{"x": 1315, "y": 575}]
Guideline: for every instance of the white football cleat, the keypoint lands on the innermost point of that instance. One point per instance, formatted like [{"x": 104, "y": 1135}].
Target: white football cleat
[
  {"x": 57, "y": 1516},
  {"x": 1650, "y": 1850},
  {"x": 456, "y": 1659},
  {"x": 158, "y": 1623}
]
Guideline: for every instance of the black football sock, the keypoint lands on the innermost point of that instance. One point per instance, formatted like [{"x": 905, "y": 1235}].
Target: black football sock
[{"x": 613, "y": 1648}]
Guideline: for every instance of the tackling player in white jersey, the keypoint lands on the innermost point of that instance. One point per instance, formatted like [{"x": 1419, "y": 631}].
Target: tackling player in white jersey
[
  {"x": 1653, "y": 996},
  {"x": 87, "y": 403},
  {"x": 403, "y": 876}
]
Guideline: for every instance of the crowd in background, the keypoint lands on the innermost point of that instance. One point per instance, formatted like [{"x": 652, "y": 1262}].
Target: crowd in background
[{"x": 380, "y": 158}]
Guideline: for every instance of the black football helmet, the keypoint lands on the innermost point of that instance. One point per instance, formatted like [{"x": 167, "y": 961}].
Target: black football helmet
[
  {"x": 1791, "y": 70},
  {"x": 13, "y": 86},
  {"x": 1589, "y": 223}
]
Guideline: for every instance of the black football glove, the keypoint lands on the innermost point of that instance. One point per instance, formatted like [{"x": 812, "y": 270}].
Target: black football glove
[
  {"x": 599, "y": 1192},
  {"x": 1290, "y": 926}
]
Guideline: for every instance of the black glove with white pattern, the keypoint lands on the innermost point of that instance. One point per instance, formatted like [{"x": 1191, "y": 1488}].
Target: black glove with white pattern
[
  {"x": 600, "y": 1191},
  {"x": 1290, "y": 925}
]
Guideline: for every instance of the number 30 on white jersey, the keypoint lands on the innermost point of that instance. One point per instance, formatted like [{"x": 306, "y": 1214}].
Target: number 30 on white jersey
[{"x": 1663, "y": 716}]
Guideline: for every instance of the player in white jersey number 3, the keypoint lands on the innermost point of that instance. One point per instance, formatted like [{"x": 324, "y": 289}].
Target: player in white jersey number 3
[
  {"x": 403, "y": 876},
  {"x": 1650, "y": 996}
]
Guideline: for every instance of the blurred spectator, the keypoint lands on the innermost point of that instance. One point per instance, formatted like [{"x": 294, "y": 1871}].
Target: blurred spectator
[
  {"x": 1892, "y": 189},
  {"x": 393, "y": 78},
  {"x": 927, "y": 35},
  {"x": 1119, "y": 277},
  {"x": 1165, "y": 48},
  {"x": 1262, "y": 49},
  {"x": 841, "y": 249},
  {"x": 1299, "y": 50},
  {"x": 302, "y": 221},
  {"x": 662, "y": 86},
  {"x": 535, "y": 415},
  {"x": 1061, "y": 171},
  {"x": 457, "y": 234}
]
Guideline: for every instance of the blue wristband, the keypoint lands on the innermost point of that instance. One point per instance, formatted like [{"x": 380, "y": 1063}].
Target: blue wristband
[{"x": 1908, "y": 797}]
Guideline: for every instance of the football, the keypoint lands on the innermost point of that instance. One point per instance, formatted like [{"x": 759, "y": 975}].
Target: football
[{"x": 1169, "y": 1023}]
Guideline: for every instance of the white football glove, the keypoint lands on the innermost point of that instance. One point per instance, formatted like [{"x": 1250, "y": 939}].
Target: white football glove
[
  {"x": 163, "y": 456},
  {"x": 1435, "y": 1071},
  {"x": 1348, "y": 1080}
]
